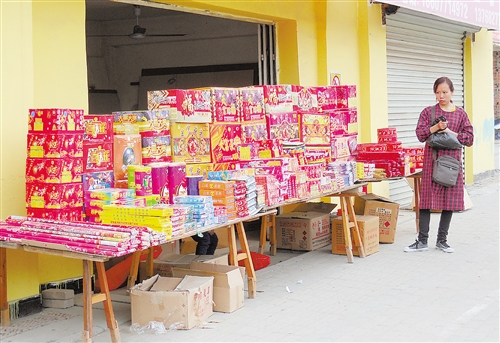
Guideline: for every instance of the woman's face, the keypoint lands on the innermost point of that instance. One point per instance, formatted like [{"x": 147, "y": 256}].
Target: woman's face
[{"x": 443, "y": 94}]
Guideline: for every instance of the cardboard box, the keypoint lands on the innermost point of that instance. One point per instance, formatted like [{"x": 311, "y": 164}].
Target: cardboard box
[
  {"x": 304, "y": 229},
  {"x": 164, "y": 267},
  {"x": 185, "y": 302},
  {"x": 228, "y": 284},
  {"x": 387, "y": 211},
  {"x": 368, "y": 230}
]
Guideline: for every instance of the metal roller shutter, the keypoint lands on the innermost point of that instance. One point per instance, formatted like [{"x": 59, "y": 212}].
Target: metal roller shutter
[{"x": 420, "y": 48}]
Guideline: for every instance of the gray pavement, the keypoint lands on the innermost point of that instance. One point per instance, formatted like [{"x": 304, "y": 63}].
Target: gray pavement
[{"x": 390, "y": 296}]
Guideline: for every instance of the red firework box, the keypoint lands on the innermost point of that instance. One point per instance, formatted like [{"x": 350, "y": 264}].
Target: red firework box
[
  {"x": 313, "y": 171},
  {"x": 190, "y": 142},
  {"x": 68, "y": 214},
  {"x": 54, "y": 170},
  {"x": 345, "y": 96},
  {"x": 252, "y": 103},
  {"x": 394, "y": 146},
  {"x": 387, "y": 135},
  {"x": 156, "y": 149},
  {"x": 255, "y": 131},
  {"x": 186, "y": 105},
  {"x": 60, "y": 145},
  {"x": 277, "y": 98},
  {"x": 55, "y": 120},
  {"x": 371, "y": 147},
  {"x": 315, "y": 129},
  {"x": 326, "y": 96},
  {"x": 226, "y": 166},
  {"x": 56, "y": 196},
  {"x": 225, "y": 139},
  {"x": 225, "y": 105},
  {"x": 248, "y": 151},
  {"x": 343, "y": 122},
  {"x": 305, "y": 98},
  {"x": 97, "y": 157},
  {"x": 98, "y": 128},
  {"x": 269, "y": 148},
  {"x": 284, "y": 126},
  {"x": 387, "y": 139}
]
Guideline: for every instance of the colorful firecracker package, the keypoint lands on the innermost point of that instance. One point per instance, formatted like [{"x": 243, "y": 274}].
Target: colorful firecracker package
[
  {"x": 61, "y": 120},
  {"x": 57, "y": 196},
  {"x": 277, "y": 98},
  {"x": 97, "y": 157},
  {"x": 225, "y": 139},
  {"x": 156, "y": 149},
  {"x": 340, "y": 147},
  {"x": 98, "y": 128},
  {"x": 304, "y": 98},
  {"x": 177, "y": 182},
  {"x": 269, "y": 148},
  {"x": 315, "y": 129},
  {"x": 226, "y": 166},
  {"x": 68, "y": 214},
  {"x": 343, "y": 122},
  {"x": 199, "y": 169},
  {"x": 345, "y": 96},
  {"x": 97, "y": 180},
  {"x": 254, "y": 131},
  {"x": 54, "y": 170},
  {"x": 190, "y": 142},
  {"x": 252, "y": 103},
  {"x": 225, "y": 105},
  {"x": 126, "y": 151},
  {"x": 318, "y": 154},
  {"x": 155, "y": 122},
  {"x": 248, "y": 151},
  {"x": 143, "y": 182},
  {"x": 185, "y": 105},
  {"x": 284, "y": 126},
  {"x": 326, "y": 98}
]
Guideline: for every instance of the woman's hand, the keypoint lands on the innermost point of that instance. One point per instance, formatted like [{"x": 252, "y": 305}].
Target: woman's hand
[{"x": 441, "y": 126}]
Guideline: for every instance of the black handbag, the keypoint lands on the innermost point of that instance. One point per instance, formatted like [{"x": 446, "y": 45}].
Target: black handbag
[{"x": 442, "y": 140}]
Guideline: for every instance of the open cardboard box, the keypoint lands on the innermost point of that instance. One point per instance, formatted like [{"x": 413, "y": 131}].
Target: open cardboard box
[
  {"x": 183, "y": 302},
  {"x": 386, "y": 210}
]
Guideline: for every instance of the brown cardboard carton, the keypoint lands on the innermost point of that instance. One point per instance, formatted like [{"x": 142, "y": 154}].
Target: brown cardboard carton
[
  {"x": 228, "y": 284},
  {"x": 303, "y": 230},
  {"x": 368, "y": 230},
  {"x": 387, "y": 211},
  {"x": 183, "y": 302}
]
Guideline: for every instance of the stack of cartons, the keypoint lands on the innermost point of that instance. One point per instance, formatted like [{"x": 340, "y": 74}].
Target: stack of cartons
[
  {"x": 386, "y": 210},
  {"x": 368, "y": 230}
]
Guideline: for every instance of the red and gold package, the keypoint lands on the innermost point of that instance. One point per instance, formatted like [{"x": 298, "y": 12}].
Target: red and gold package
[
  {"x": 191, "y": 105},
  {"x": 277, "y": 98},
  {"x": 270, "y": 148},
  {"x": 57, "y": 196},
  {"x": 54, "y": 170},
  {"x": 254, "y": 131},
  {"x": 53, "y": 145},
  {"x": 97, "y": 157},
  {"x": 225, "y": 139},
  {"x": 61, "y": 120},
  {"x": 315, "y": 129},
  {"x": 225, "y": 105},
  {"x": 190, "y": 142},
  {"x": 252, "y": 103},
  {"x": 72, "y": 214},
  {"x": 284, "y": 126},
  {"x": 199, "y": 169},
  {"x": 98, "y": 128},
  {"x": 304, "y": 98}
]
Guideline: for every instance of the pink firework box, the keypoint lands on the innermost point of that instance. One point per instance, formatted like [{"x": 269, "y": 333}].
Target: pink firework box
[
  {"x": 248, "y": 151},
  {"x": 54, "y": 170},
  {"x": 269, "y": 148},
  {"x": 304, "y": 98},
  {"x": 69, "y": 214},
  {"x": 51, "y": 145},
  {"x": 276, "y": 171},
  {"x": 143, "y": 181},
  {"x": 315, "y": 129},
  {"x": 97, "y": 180},
  {"x": 343, "y": 122},
  {"x": 190, "y": 142},
  {"x": 340, "y": 147},
  {"x": 254, "y": 131},
  {"x": 252, "y": 103},
  {"x": 225, "y": 139},
  {"x": 326, "y": 96},
  {"x": 57, "y": 196},
  {"x": 177, "y": 182},
  {"x": 156, "y": 149},
  {"x": 318, "y": 154},
  {"x": 186, "y": 105},
  {"x": 55, "y": 120},
  {"x": 284, "y": 126},
  {"x": 277, "y": 98},
  {"x": 98, "y": 128},
  {"x": 97, "y": 157},
  {"x": 225, "y": 104},
  {"x": 199, "y": 169}
]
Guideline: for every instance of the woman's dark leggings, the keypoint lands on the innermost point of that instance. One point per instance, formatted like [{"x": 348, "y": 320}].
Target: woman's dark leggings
[{"x": 425, "y": 219}]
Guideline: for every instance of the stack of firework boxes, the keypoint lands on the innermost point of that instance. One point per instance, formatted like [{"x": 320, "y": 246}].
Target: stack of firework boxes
[{"x": 54, "y": 164}]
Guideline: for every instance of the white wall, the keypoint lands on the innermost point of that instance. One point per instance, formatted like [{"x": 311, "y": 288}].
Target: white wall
[{"x": 115, "y": 62}]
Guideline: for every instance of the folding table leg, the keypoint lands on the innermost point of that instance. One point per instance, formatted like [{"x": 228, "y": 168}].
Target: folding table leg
[
  {"x": 108, "y": 308},
  {"x": 87, "y": 303},
  {"x": 4, "y": 305},
  {"x": 247, "y": 258}
]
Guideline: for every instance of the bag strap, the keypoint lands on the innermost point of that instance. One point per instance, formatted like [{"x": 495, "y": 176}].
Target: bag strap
[{"x": 433, "y": 116}]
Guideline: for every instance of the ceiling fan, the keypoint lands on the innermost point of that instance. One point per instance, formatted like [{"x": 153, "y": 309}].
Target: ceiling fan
[{"x": 139, "y": 32}]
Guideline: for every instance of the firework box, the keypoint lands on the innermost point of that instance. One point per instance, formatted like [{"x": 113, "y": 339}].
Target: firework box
[
  {"x": 185, "y": 105},
  {"x": 252, "y": 103},
  {"x": 97, "y": 157},
  {"x": 304, "y": 98},
  {"x": 127, "y": 151},
  {"x": 156, "y": 149},
  {"x": 277, "y": 98},
  {"x": 199, "y": 169},
  {"x": 190, "y": 142},
  {"x": 187, "y": 301},
  {"x": 98, "y": 128},
  {"x": 225, "y": 105},
  {"x": 98, "y": 180},
  {"x": 315, "y": 129},
  {"x": 254, "y": 131},
  {"x": 54, "y": 170},
  {"x": 225, "y": 139},
  {"x": 284, "y": 126},
  {"x": 55, "y": 145},
  {"x": 55, "y": 196},
  {"x": 61, "y": 120}
]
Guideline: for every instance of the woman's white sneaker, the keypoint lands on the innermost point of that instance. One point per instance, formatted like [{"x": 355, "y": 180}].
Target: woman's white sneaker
[
  {"x": 417, "y": 246},
  {"x": 442, "y": 245}
]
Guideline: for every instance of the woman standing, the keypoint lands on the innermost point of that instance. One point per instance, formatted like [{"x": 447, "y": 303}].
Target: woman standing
[{"x": 433, "y": 196}]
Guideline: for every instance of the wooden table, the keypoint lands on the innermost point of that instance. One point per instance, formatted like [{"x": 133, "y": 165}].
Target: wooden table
[
  {"x": 349, "y": 223},
  {"x": 88, "y": 298},
  {"x": 235, "y": 230}
]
